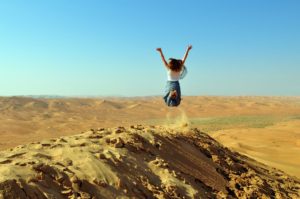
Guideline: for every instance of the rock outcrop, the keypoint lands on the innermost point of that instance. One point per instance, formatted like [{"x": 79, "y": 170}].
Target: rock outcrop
[{"x": 137, "y": 162}]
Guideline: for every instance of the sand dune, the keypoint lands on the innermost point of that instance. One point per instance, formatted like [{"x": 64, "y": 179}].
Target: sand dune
[
  {"x": 134, "y": 106},
  {"x": 242, "y": 123},
  {"x": 137, "y": 162},
  {"x": 110, "y": 104},
  {"x": 276, "y": 145}
]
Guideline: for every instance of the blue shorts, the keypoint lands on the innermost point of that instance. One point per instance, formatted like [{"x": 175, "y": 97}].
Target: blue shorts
[{"x": 172, "y": 85}]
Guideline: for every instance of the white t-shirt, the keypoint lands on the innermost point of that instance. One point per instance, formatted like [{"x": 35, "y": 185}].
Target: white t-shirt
[{"x": 174, "y": 75}]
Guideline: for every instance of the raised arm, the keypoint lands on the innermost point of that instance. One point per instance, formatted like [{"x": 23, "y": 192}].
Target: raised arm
[
  {"x": 186, "y": 53},
  {"x": 162, "y": 57}
]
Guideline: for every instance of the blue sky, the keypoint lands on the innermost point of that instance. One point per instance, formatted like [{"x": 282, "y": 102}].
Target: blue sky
[{"x": 240, "y": 47}]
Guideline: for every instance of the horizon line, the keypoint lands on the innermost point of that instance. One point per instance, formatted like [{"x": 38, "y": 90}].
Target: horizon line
[{"x": 137, "y": 96}]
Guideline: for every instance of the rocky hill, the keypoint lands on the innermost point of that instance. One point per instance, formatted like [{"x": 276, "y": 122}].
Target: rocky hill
[{"x": 137, "y": 162}]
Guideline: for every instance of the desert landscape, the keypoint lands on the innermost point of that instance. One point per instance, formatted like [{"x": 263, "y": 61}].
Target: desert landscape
[
  {"x": 49, "y": 137},
  {"x": 82, "y": 112}
]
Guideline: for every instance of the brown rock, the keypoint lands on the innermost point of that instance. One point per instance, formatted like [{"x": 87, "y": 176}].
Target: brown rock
[
  {"x": 9, "y": 189},
  {"x": 31, "y": 179},
  {"x": 215, "y": 158},
  {"x": 62, "y": 140},
  {"x": 74, "y": 179},
  {"x": 76, "y": 187},
  {"x": 5, "y": 161},
  {"x": 66, "y": 192},
  {"x": 119, "y": 130},
  {"x": 85, "y": 195},
  {"x": 101, "y": 183},
  {"x": 100, "y": 156},
  {"x": 40, "y": 176},
  {"x": 45, "y": 144},
  {"x": 119, "y": 143},
  {"x": 113, "y": 141},
  {"x": 22, "y": 164},
  {"x": 60, "y": 178},
  {"x": 95, "y": 136},
  {"x": 31, "y": 191}
]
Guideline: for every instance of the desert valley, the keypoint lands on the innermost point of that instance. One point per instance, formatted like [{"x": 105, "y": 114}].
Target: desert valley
[{"x": 41, "y": 132}]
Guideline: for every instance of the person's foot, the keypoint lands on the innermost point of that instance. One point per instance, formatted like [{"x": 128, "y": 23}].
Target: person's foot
[{"x": 173, "y": 94}]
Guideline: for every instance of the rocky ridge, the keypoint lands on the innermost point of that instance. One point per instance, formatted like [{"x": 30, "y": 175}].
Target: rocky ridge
[{"x": 137, "y": 162}]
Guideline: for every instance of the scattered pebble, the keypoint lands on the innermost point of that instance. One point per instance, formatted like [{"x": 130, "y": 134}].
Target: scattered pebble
[{"x": 119, "y": 143}]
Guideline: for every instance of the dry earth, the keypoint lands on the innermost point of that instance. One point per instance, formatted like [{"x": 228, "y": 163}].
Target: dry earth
[
  {"x": 137, "y": 162},
  {"x": 26, "y": 119},
  {"x": 274, "y": 142}
]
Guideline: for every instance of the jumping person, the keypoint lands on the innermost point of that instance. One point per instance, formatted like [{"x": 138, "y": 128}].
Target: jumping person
[{"x": 176, "y": 70}]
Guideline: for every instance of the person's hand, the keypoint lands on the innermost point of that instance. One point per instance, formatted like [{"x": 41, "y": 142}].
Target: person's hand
[
  {"x": 158, "y": 49},
  {"x": 189, "y": 47}
]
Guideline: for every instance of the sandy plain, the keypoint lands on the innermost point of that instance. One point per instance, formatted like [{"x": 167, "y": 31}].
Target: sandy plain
[{"x": 264, "y": 128}]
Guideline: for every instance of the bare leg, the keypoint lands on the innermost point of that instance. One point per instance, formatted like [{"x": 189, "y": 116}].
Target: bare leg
[{"x": 173, "y": 94}]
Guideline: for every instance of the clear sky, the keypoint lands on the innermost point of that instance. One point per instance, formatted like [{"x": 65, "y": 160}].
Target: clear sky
[{"x": 94, "y": 47}]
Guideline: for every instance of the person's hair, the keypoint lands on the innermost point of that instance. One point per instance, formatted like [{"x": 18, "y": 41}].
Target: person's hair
[{"x": 175, "y": 64}]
